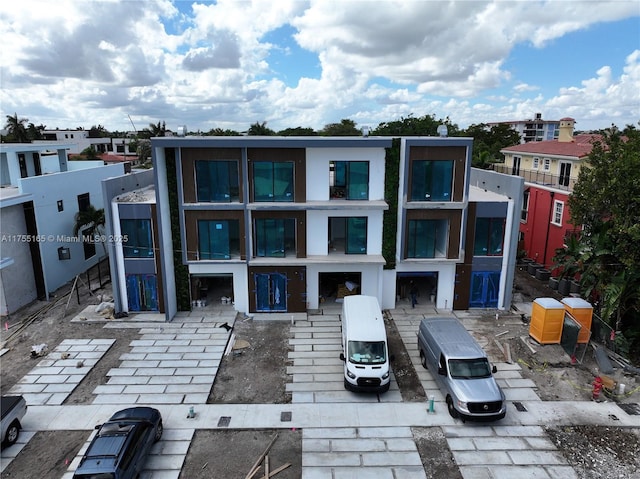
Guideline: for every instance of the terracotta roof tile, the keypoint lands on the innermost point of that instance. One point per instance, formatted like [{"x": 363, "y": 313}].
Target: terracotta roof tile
[{"x": 580, "y": 147}]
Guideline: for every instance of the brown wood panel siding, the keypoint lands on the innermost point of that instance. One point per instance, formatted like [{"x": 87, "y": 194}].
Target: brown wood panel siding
[
  {"x": 470, "y": 234},
  {"x": 462, "y": 287},
  {"x": 296, "y": 286},
  {"x": 454, "y": 217},
  {"x": 191, "y": 155},
  {"x": 301, "y": 226},
  {"x": 434, "y": 153},
  {"x": 296, "y": 155},
  {"x": 156, "y": 258},
  {"x": 191, "y": 218}
]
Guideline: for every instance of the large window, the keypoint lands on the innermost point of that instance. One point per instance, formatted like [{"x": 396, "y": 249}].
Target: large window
[
  {"x": 275, "y": 237},
  {"x": 431, "y": 180},
  {"x": 348, "y": 235},
  {"x": 136, "y": 238},
  {"x": 273, "y": 181},
  {"x": 349, "y": 180},
  {"x": 218, "y": 239},
  {"x": 427, "y": 238},
  {"x": 489, "y": 237},
  {"x": 217, "y": 181}
]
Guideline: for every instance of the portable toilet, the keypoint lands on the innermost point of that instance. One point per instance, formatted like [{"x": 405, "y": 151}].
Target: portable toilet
[
  {"x": 547, "y": 319},
  {"x": 582, "y": 312}
]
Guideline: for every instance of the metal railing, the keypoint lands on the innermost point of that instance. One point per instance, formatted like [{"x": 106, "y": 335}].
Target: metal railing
[{"x": 539, "y": 177}]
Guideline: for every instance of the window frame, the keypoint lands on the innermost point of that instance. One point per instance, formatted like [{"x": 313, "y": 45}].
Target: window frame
[
  {"x": 535, "y": 163},
  {"x": 231, "y": 183},
  {"x": 429, "y": 180},
  {"x": 351, "y": 227},
  {"x": 348, "y": 188},
  {"x": 206, "y": 226},
  {"x": 546, "y": 162},
  {"x": 524, "y": 215},
  {"x": 263, "y": 237},
  {"x": 558, "y": 212},
  {"x": 131, "y": 238},
  {"x": 489, "y": 239},
  {"x": 288, "y": 195},
  {"x": 440, "y": 238}
]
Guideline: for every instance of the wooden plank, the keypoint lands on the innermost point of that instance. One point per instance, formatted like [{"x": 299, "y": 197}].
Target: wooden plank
[
  {"x": 277, "y": 470},
  {"x": 256, "y": 466}
]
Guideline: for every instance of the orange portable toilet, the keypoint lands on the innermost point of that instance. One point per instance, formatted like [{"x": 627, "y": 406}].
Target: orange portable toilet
[
  {"x": 547, "y": 319},
  {"x": 582, "y": 312}
]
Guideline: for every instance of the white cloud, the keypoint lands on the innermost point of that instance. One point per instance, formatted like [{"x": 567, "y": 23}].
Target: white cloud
[{"x": 70, "y": 63}]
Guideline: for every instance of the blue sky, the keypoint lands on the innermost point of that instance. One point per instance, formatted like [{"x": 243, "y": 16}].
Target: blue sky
[{"x": 229, "y": 64}]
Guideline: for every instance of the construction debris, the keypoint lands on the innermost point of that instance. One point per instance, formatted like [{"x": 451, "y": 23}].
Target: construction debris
[
  {"x": 264, "y": 460},
  {"x": 39, "y": 350}
]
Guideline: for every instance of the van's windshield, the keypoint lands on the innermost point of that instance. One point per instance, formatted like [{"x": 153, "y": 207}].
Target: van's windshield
[
  {"x": 469, "y": 368},
  {"x": 367, "y": 352}
]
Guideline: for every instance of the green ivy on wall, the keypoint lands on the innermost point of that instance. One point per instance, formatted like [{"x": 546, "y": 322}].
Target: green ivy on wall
[
  {"x": 390, "y": 217},
  {"x": 183, "y": 295}
]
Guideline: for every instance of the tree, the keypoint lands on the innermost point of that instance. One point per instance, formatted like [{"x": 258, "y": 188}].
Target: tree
[
  {"x": 90, "y": 152},
  {"x": 298, "y": 131},
  {"x": 154, "y": 130},
  {"x": 426, "y": 125},
  {"x": 260, "y": 129},
  {"x": 16, "y": 129},
  {"x": 487, "y": 142},
  {"x": 98, "y": 132},
  {"x": 606, "y": 202},
  {"x": 221, "y": 132},
  {"x": 35, "y": 132},
  {"x": 91, "y": 218},
  {"x": 344, "y": 128}
]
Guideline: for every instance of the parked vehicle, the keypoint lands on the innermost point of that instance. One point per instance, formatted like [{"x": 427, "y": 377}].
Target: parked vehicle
[
  {"x": 13, "y": 410},
  {"x": 461, "y": 369},
  {"x": 121, "y": 445},
  {"x": 364, "y": 344}
]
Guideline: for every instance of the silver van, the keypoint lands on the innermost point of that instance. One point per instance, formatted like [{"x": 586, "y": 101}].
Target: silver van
[{"x": 461, "y": 369}]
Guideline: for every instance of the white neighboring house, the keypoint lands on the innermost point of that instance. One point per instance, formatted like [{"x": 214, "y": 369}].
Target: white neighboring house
[
  {"x": 40, "y": 195},
  {"x": 79, "y": 140}
]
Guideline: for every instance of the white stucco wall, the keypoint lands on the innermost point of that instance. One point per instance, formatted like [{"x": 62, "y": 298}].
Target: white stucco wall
[
  {"x": 56, "y": 227},
  {"x": 318, "y": 170},
  {"x": 18, "y": 281},
  {"x": 318, "y": 230}
]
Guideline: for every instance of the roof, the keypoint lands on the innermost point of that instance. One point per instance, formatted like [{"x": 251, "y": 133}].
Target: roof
[{"x": 580, "y": 147}]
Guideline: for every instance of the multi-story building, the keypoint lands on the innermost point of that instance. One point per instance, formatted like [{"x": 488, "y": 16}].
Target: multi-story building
[
  {"x": 454, "y": 226},
  {"x": 535, "y": 129},
  {"x": 550, "y": 170},
  {"x": 40, "y": 195},
  {"x": 288, "y": 224}
]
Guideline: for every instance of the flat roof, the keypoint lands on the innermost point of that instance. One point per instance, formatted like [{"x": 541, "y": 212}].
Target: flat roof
[{"x": 272, "y": 141}]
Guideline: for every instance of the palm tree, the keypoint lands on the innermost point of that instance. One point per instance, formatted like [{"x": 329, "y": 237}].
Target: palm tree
[
  {"x": 16, "y": 128},
  {"x": 90, "y": 218}
]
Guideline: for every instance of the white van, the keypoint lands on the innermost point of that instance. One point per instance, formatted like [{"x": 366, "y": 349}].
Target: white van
[{"x": 364, "y": 344}]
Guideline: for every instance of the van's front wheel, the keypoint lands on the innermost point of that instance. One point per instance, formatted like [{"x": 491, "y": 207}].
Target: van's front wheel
[
  {"x": 452, "y": 410},
  {"x": 423, "y": 359}
]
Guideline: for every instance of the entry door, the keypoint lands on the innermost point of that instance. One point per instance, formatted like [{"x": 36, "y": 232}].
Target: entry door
[
  {"x": 515, "y": 169},
  {"x": 485, "y": 286},
  {"x": 271, "y": 292}
]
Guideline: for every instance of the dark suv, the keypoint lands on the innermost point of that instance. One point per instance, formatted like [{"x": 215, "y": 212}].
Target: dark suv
[{"x": 121, "y": 445}]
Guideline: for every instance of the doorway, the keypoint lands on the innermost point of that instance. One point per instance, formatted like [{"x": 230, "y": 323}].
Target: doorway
[{"x": 271, "y": 292}]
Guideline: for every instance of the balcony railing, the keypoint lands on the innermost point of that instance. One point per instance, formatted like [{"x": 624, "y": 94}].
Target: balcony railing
[{"x": 540, "y": 177}]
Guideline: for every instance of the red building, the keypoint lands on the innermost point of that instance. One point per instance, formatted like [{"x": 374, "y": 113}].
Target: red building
[{"x": 550, "y": 169}]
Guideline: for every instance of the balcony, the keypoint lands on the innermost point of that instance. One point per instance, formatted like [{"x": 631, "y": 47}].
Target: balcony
[{"x": 560, "y": 182}]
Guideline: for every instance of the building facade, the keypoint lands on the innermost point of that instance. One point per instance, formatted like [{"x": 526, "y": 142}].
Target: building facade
[
  {"x": 535, "y": 129},
  {"x": 550, "y": 170},
  {"x": 290, "y": 224},
  {"x": 41, "y": 193}
]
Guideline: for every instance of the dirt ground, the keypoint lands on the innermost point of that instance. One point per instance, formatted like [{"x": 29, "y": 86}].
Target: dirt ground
[{"x": 257, "y": 374}]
